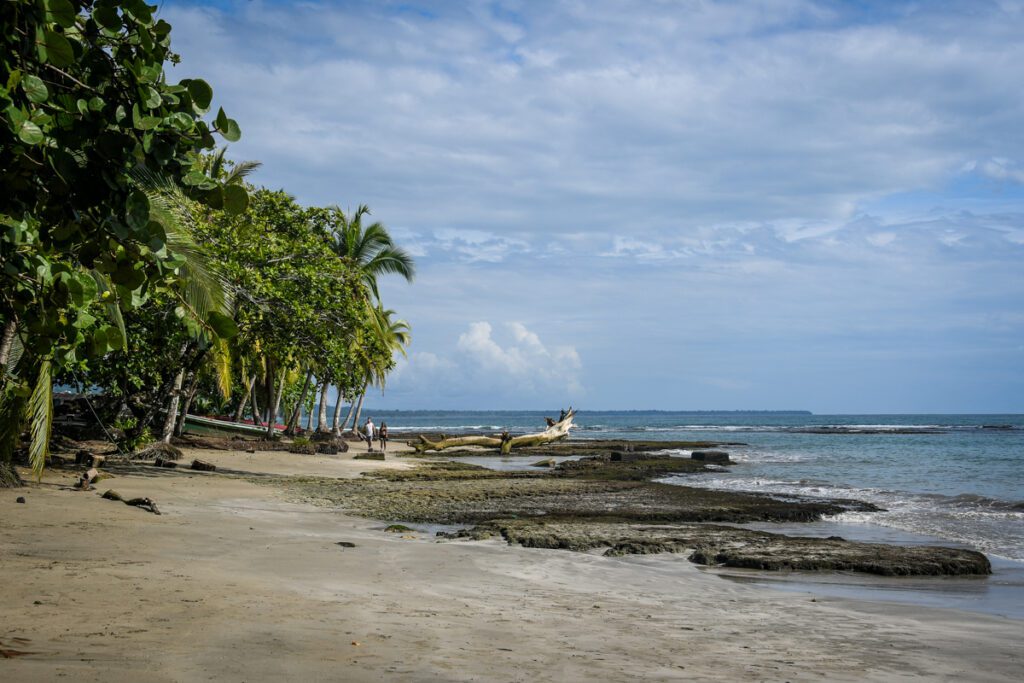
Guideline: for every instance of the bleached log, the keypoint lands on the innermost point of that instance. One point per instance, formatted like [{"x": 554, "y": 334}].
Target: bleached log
[{"x": 556, "y": 431}]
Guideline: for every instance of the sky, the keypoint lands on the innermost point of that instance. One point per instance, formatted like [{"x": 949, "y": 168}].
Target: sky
[{"x": 672, "y": 204}]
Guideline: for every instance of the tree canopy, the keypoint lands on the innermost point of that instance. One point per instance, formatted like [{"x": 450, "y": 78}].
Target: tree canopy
[{"x": 134, "y": 257}]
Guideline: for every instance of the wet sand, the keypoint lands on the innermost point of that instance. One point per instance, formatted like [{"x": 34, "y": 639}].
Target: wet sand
[{"x": 234, "y": 583}]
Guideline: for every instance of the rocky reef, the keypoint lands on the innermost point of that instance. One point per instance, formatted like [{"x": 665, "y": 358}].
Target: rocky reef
[{"x": 600, "y": 502}]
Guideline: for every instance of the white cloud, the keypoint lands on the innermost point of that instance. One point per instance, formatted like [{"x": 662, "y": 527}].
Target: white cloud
[
  {"x": 1001, "y": 168},
  {"x": 498, "y": 366}
]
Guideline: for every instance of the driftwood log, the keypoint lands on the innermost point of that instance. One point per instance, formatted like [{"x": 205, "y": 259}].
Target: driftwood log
[
  {"x": 556, "y": 431},
  {"x": 144, "y": 503}
]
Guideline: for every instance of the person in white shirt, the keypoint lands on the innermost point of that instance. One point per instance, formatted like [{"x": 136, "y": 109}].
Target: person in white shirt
[{"x": 369, "y": 429}]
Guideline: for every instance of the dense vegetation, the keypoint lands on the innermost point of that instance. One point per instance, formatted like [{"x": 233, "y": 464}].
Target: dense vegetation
[{"x": 137, "y": 262}]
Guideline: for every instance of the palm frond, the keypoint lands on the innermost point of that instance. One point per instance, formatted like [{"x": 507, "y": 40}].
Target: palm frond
[
  {"x": 17, "y": 351},
  {"x": 40, "y": 415},
  {"x": 216, "y": 163},
  {"x": 203, "y": 289},
  {"x": 222, "y": 367},
  {"x": 392, "y": 260},
  {"x": 241, "y": 171}
]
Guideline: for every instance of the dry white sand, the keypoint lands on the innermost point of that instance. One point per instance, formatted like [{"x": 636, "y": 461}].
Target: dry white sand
[{"x": 233, "y": 583}]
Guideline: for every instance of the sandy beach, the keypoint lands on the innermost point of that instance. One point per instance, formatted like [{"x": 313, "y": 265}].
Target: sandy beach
[{"x": 233, "y": 582}]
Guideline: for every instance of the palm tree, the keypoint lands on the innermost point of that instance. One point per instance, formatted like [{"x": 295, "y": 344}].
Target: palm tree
[
  {"x": 394, "y": 335},
  {"x": 370, "y": 249}
]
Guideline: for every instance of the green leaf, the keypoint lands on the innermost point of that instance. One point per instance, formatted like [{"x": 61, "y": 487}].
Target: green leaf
[
  {"x": 222, "y": 324},
  {"x": 108, "y": 18},
  {"x": 222, "y": 119},
  {"x": 60, "y": 12},
  {"x": 84, "y": 320},
  {"x": 99, "y": 341},
  {"x": 202, "y": 94},
  {"x": 30, "y": 133},
  {"x": 214, "y": 198},
  {"x": 82, "y": 288},
  {"x": 35, "y": 89},
  {"x": 137, "y": 209},
  {"x": 236, "y": 199},
  {"x": 181, "y": 121},
  {"x": 57, "y": 49},
  {"x": 150, "y": 97},
  {"x": 194, "y": 178},
  {"x": 115, "y": 339},
  {"x": 231, "y": 131}
]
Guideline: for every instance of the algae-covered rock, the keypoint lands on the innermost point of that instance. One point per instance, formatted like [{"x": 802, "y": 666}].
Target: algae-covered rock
[{"x": 398, "y": 529}]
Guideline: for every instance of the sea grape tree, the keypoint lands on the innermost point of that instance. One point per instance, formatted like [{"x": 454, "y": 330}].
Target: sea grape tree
[{"x": 86, "y": 109}]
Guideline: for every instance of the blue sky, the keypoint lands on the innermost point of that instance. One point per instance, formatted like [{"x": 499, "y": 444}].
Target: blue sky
[{"x": 670, "y": 204}]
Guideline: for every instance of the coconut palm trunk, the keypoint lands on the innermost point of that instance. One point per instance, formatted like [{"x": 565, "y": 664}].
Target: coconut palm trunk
[
  {"x": 6, "y": 345},
  {"x": 190, "y": 394},
  {"x": 336, "y": 421},
  {"x": 256, "y": 419},
  {"x": 293, "y": 421},
  {"x": 359, "y": 409},
  {"x": 244, "y": 400},
  {"x": 172, "y": 408},
  {"x": 276, "y": 393},
  {"x": 321, "y": 422}
]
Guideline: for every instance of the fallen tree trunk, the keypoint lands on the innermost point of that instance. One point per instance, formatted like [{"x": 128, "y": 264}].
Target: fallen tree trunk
[{"x": 556, "y": 431}]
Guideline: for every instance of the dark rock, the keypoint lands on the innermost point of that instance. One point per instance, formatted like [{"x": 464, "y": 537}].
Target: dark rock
[
  {"x": 327, "y": 448},
  {"x": 346, "y": 544},
  {"x": 398, "y": 528},
  {"x": 714, "y": 457},
  {"x": 83, "y": 457},
  {"x": 161, "y": 462},
  {"x": 303, "y": 448},
  {"x": 627, "y": 456},
  {"x": 20, "y": 499},
  {"x": 202, "y": 466}
]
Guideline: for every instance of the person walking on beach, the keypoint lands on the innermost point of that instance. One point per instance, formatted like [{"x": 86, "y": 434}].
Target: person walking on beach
[
  {"x": 382, "y": 436},
  {"x": 369, "y": 429}
]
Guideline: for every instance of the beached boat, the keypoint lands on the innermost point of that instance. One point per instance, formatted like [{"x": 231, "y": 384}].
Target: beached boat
[{"x": 195, "y": 424}]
